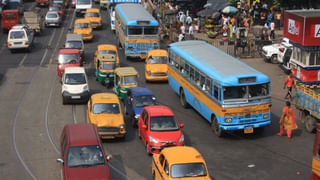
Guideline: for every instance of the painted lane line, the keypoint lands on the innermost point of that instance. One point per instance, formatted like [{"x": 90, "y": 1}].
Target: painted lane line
[
  {"x": 23, "y": 59},
  {"x": 119, "y": 172},
  {"x": 46, "y": 121},
  {"x": 74, "y": 114},
  {"x": 14, "y": 129},
  {"x": 57, "y": 44}
]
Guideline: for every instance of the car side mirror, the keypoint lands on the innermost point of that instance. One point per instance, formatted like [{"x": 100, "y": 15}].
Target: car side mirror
[
  {"x": 181, "y": 125},
  {"x": 59, "y": 160},
  {"x": 144, "y": 126},
  {"x": 109, "y": 157}
]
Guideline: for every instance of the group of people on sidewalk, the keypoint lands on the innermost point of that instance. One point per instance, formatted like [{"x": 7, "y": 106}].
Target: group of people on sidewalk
[{"x": 186, "y": 23}]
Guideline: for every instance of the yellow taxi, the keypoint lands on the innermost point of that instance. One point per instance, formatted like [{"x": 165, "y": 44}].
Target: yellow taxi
[
  {"x": 104, "y": 110},
  {"x": 179, "y": 162},
  {"x": 156, "y": 67},
  {"x": 94, "y": 16},
  {"x": 83, "y": 27}
]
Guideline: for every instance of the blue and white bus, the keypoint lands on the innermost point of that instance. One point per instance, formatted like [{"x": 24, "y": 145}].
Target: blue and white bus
[
  {"x": 227, "y": 92},
  {"x": 111, "y": 4},
  {"x": 137, "y": 31}
]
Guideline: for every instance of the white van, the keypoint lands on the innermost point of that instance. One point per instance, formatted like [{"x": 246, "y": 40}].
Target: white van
[
  {"x": 20, "y": 37},
  {"x": 75, "y": 87},
  {"x": 82, "y": 6}
]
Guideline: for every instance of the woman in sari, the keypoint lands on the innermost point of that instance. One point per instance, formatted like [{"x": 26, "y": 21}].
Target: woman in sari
[{"x": 287, "y": 120}]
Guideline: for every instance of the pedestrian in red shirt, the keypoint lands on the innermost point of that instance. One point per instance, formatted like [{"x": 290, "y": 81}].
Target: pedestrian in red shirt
[
  {"x": 288, "y": 83},
  {"x": 287, "y": 120}
]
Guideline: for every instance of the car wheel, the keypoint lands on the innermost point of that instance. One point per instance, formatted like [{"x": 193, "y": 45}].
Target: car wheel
[
  {"x": 183, "y": 101},
  {"x": 64, "y": 100},
  {"x": 274, "y": 59},
  {"x": 215, "y": 126},
  {"x": 310, "y": 124}
]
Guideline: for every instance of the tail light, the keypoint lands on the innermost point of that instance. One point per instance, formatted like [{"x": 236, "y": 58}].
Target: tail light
[
  {"x": 85, "y": 87},
  {"x": 26, "y": 43},
  {"x": 9, "y": 44}
]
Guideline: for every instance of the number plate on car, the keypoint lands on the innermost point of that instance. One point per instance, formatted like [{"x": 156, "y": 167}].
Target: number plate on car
[
  {"x": 75, "y": 97},
  {"x": 249, "y": 130}
]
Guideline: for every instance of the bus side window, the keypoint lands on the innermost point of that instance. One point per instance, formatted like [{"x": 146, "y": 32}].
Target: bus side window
[
  {"x": 202, "y": 82},
  {"x": 197, "y": 77},
  {"x": 186, "y": 69},
  {"x": 208, "y": 86},
  {"x": 191, "y": 73},
  {"x": 216, "y": 92},
  {"x": 182, "y": 65}
]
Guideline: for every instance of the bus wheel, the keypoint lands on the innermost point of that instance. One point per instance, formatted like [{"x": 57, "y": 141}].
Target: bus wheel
[
  {"x": 183, "y": 101},
  {"x": 310, "y": 125},
  {"x": 215, "y": 126}
]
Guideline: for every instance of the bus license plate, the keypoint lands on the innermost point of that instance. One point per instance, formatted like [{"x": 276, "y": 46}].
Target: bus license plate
[
  {"x": 75, "y": 97},
  {"x": 248, "y": 131}
]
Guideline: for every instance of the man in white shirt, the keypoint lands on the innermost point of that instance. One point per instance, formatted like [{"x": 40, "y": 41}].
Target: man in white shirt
[
  {"x": 183, "y": 29},
  {"x": 191, "y": 32},
  {"x": 180, "y": 37}
]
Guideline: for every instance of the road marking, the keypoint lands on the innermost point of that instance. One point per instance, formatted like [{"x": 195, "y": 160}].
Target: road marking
[
  {"x": 57, "y": 44},
  {"x": 46, "y": 119},
  {"x": 119, "y": 172},
  {"x": 74, "y": 114},
  {"x": 14, "y": 129},
  {"x": 23, "y": 59}
]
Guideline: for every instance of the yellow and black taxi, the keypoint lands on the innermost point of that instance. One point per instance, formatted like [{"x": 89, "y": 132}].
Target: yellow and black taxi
[
  {"x": 83, "y": 27},
  {"x": 156, "y": 67},
  {"x": 104, "y": 110},
  {"x": 94, "y": 16},
  {"x": 179, "y": 162}
]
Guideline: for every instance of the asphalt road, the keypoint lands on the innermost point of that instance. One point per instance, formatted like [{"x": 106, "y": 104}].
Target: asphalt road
[{"x": 32, "y": 119}]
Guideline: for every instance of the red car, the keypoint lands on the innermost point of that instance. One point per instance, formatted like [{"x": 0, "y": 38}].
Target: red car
[
  {"x": 82, "y": 153},
  {"x": 58, "y": 8},
  {"x": 68, "y": 58},
  {"x": 9, "y": 18},
  {"x": 158, "y": 127}
]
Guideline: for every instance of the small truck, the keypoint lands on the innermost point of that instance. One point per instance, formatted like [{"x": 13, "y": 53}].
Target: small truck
[{"x": 34, "y": 20}]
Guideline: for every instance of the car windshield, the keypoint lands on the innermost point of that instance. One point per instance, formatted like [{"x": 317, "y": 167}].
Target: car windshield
[
  {"x": 102, "y": 52},
  {"x": 141, "y": 101},
  {"x": 74, "y": 44},
  {"x": 54, "y": 9},
  {"x": 234, "y": 92},
  {"x": 92, "y": 14},
  {"x": 68, "y": 59},
  {"x": 82, "y": 25},
  {"x": 157, "y": 60},
  {"x": 258, "y": 90},
  {"x": 10, "y": 15},
  {"x": 75, "y": 79},
  {"x": 106, "y": 108},
  {"x": 52, "y": 15},
  {"x": 17, "y": 35},
  {"x": 129, "y": 80},
  {"x": 188, "y": 170},
  {"x": 83, "y": 1},
  {"x": 163, "y": 123},
  {"x": 83, "y": 156},
  {"x": 107, "y": 65}
]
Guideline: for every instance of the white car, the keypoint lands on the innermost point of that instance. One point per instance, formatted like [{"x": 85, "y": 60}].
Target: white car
[
  {"x": 270, "y": 52},
  {"x": 20, "y": 37},
  {"x": 75, "y": 86},
  {"x": 52, "y": 19}
]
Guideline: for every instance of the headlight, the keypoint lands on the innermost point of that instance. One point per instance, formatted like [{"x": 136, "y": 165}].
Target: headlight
[
  {"x": 137, "y": 116},
  {"x": 149, "y": 72},
  {"x": 181, "y": 138},
  {"x": 265, "y": 116},
  {"x": 153, "y": 140},
  {"x": 122, "y": 126},
  {"x": 228, "y": 120},
  {"x": 85, "y": 88}
]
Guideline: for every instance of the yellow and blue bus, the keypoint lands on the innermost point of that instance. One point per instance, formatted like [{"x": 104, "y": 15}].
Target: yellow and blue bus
[
  {"x": 228, "y": 93},
  {"x": 137, "y": 31}
]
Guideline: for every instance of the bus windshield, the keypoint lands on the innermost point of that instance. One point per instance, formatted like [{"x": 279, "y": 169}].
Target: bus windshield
[
  {"x": 241, "y": 92},
  {"x": 140, "y": 30},
  {"x": 83, "y": 2}
]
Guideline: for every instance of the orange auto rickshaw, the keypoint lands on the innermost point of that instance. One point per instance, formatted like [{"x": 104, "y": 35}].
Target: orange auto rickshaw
[{"x": 9, "y": 18}]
